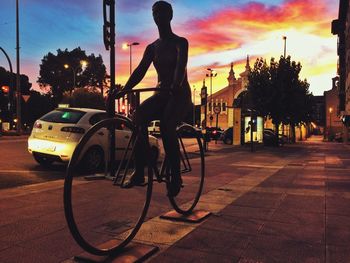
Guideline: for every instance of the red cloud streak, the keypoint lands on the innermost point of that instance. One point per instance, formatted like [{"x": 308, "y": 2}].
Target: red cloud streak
[{"x": 231, "y": 27}]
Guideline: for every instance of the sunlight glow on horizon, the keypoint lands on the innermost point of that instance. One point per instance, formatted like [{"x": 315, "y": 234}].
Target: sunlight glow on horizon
[{"x": 217, "y": 36}]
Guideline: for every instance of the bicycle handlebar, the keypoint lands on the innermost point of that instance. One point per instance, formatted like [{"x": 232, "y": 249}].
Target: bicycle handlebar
[{"x": 122, "y": 93}]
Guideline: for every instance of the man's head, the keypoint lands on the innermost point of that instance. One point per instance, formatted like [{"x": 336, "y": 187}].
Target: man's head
[{"x": 162, "y": 12}]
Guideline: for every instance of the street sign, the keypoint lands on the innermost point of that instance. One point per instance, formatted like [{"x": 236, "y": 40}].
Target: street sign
[
  {"x": 25, "y": 97},
  {"x": 217, "y": 109}
]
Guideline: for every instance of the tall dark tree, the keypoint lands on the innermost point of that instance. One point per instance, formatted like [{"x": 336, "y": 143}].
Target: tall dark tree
[
  {"x": 85, "y": 98},
  {"x": 8, "y": 98},
  {"x": 260, "y": 87},
  {"x": 65, "y": 72},
  {"x": 95, "y": 73},
  {"x": 277, "y": 92},
  {"x": 37, "y": 105}
]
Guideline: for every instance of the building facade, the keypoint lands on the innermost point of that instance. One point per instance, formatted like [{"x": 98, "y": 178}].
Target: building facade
[
  {"x": 341, "y": 27},
  {"x": 333, "y": 123},
  {"x": 221, "y": 109}
]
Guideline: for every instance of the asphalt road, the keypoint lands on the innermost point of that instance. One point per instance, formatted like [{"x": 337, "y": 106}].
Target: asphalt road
[{"x": 17, "y": 166}]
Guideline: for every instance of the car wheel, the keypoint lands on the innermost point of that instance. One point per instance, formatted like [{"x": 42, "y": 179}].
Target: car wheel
[
  {"x": 44, "y": 161},
  {"x": 228, "y": 141},
  {"x": 93, "y": 160}
]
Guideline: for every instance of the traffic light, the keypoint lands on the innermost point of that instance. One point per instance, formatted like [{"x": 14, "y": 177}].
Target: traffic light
[{"x": 5, "y": 89}]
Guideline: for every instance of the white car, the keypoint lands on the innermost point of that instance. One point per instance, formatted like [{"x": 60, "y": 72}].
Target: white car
[
  {"x": 154, "y": 127},
  {"x": 56, "y": 134}
]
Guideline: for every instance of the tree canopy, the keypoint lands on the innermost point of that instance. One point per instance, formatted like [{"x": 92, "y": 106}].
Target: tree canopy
[
  {"x": 68, "y": 70},
  {"x": 277, "y": 91},
  {"x": 84, "y": 98}
]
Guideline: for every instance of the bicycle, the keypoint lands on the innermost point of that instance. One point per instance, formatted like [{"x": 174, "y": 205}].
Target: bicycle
[{"x": 86, "y": 224}]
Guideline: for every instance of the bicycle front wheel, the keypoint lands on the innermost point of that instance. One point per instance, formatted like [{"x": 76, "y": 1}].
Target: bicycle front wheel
[
  {"x": 192, "y": 169},
  {"x": 102, "y": 216}
]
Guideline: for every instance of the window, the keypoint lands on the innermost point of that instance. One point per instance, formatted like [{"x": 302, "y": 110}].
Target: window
[
  {"x": 224, "y": 106},
  {"x": 63, "y": 116},
  {"x": 97, "y": 117},
  {"x": 101, "y": 116}
]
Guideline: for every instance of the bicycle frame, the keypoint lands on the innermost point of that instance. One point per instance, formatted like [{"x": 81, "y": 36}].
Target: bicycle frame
[{"x": 160, "y": 174}]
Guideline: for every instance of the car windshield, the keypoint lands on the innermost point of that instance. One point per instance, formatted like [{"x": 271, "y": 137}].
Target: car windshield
[{"x": 63, "y": 116}]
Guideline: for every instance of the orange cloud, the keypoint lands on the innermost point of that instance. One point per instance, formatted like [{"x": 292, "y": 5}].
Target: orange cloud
[{"x": 232, "y": 27}]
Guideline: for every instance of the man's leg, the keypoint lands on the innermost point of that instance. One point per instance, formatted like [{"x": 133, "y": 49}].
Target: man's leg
[
  {"x": 174, "y": 112},
  {"x": 147, "y": 111}
]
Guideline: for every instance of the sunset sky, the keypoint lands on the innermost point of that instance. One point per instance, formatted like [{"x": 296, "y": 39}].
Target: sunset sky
[{"x": 219, "y": 32}]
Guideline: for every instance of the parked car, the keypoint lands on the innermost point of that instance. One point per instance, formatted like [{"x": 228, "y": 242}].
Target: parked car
[
  {"x": 154, "y": 127},
  {"x": 56, "y": 134},
  {"x": 214, "y": 133},
  {"x": 270, "y": 138},
  {"x": 227, "y": 136},
  {"x": 338, "y": 137},
  {"x": 283, "y": 138},
  {"x": 188, "y": 133}
]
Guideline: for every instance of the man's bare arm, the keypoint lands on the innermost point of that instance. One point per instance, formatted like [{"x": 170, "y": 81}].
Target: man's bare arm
[
  {"x": 141, "y": 69},
  {"x": 182, "y": 57}
]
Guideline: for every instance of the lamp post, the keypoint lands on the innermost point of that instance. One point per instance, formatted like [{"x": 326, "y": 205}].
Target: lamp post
[
  {"x": 285, "y": 44},
  {"x": 18, "y": 81},
  {"x": 135, "y": 100},
  {"x": 194, "y": 105},
  {"x": 74, "y": 70},
  {"x": 330, "y": 110},
  {"x": 211, "y": 75},
  {"x": 284, "y": 56}
]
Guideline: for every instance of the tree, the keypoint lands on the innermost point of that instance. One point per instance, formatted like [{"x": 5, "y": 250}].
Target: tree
[
  {"x": 37, "y": 105},
  {"x": 277, "y": 92},
  {"x": 8, "y": 98},
  {"x": 65, "y": 72},
  {"x": 84, "y": 98},
  {"x": 95, "y": 73}
]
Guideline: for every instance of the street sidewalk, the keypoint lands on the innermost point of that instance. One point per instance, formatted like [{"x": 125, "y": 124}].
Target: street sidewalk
[
  {"x": 13, "y": 137},
  {"x": 287, "y": 204}
]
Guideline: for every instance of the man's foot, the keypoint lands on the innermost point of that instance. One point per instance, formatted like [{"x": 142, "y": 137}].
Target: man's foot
[
  {"x": 175, "y": 185},
  {"x": 136, "y": 179}
]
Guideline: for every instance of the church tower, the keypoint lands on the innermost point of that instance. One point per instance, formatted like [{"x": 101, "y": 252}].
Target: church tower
[{"x": 231, "y": 77}]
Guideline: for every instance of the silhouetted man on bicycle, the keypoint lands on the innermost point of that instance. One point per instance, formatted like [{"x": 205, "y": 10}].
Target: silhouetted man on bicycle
[{"x": 169, "y": 55}]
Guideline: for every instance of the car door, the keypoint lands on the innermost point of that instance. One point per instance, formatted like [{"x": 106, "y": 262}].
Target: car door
[{"x": 122, "y": 136}]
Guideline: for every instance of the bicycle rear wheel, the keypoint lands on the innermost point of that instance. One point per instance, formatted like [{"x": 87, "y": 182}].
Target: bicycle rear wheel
[
  {"x": 104, "y": 217},
  {"x": 192, "y": 170}
]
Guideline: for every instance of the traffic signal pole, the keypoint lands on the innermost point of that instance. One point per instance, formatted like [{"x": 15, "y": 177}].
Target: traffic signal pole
[
  {"x": 109, "y": 42},
  {"x": 18, "y": 82}
]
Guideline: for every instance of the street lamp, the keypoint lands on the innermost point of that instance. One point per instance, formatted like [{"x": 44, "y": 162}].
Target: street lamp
[
  {"x": 194, "y": 105},
  {"x": 136, "y": 101},
  {"x": 285, "y": 44},
  {"x": 330, "y": 110},
  {"x": 211, "y": 75},
  {"x": 82, "y": 63}
]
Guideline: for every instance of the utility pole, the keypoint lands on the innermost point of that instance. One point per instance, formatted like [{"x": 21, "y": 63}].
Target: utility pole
[
  {"x": 194, "y": 105},
  {"x": 211, "y": 75},
  {"x": 109, "y": 42},
  {"x": 18, "y": 81}
]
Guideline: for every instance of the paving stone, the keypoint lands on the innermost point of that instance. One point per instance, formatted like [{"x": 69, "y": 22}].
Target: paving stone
[
  {"x": 176, "y": 254},
  {"x": 219, "y": 242}
]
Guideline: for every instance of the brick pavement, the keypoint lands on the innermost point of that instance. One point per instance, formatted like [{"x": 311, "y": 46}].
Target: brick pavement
[{"x": 273, "y": 205}]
